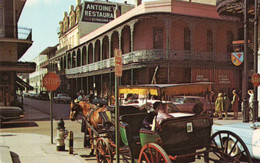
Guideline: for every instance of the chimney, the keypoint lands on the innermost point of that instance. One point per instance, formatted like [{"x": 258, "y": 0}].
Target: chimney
[
  {"x": 78, "y": 2},
  {"x": 137, "y": 2},
  {"x": 117, "y": 12}
]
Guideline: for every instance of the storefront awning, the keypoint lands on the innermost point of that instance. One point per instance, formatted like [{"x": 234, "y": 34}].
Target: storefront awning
[{"x": 22, "y": 84}]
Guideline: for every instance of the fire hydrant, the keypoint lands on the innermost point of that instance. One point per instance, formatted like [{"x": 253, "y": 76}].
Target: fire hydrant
[{"x": 62, "y": 133}]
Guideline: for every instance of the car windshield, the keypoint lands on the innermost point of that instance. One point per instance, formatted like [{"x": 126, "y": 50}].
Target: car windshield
[
  {"x": 172, "y": 108},
  {"x": 178, "y": 99}
]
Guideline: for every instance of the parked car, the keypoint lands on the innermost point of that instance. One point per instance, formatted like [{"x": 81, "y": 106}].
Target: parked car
[
  {"x": 33, "y": 95},
  {"x": 245, "y": 132},
  {"x": 62, "y": 98},
  {"x": 10, "y": 113},
  {"x": 25, "y": 94},
  {"x": 187, "y": 103},
  {"x": 43, "y": 95}
]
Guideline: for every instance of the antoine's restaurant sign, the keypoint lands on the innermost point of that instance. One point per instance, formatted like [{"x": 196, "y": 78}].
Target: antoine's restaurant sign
[{"x": 98, "y": 12}]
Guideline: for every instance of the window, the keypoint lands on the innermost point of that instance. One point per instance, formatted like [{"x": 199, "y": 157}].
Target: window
[
  {"x": 230, "y": 38},
  {"x": 187, "y": 43},
  {"x": 209, "y": 40},
  {"x": 1, "y": 16},
  {"x": 158, "y": 38}
]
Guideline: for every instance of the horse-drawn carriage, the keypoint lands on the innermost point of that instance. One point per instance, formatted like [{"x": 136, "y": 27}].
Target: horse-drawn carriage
[{"x": 181, "y": 138}]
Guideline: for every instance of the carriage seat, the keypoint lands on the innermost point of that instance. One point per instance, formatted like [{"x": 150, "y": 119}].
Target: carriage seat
[{"x": 132, "y": 123}]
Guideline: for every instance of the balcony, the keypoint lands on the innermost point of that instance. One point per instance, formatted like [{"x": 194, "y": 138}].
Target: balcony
[
  {"x": 23, "y": 67},
  {"x": 20, "y": 35},
  {"x": 144, "y": 56},
  {"x": 12, "y": 32}
]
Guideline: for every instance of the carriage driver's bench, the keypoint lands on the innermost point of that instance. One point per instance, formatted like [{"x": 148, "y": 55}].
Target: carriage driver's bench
[{"x": 130, "y": 125}]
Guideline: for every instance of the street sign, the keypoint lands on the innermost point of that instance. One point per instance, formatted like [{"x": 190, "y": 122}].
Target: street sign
[
  {"x": 237, "y": 58},
  {"x": 255, "y": 79},
  {"x": 118, "y": 62},
  {"x": 51, "y": 81}
]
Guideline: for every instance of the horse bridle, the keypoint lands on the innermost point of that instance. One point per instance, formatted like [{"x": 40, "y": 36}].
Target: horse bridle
[{"x": 73, "y": 110}]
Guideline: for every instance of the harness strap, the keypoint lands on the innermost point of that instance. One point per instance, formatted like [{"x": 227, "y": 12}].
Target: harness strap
[{"x": 93, "y": 109}]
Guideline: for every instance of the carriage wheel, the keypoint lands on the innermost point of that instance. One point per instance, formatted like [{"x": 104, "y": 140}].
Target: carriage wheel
[
  {"x": 103, "y": 151},
  {"x": 153, "y": 153},
  {"x": 226, "y": 146}
]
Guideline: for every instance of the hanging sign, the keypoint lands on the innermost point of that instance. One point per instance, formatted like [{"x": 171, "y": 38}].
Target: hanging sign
[
  {"x": 255, "y": 79},
  {"x": 237, "y": 58}
]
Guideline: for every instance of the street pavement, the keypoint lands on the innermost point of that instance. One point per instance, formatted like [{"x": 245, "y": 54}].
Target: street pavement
[{"x": 30, "y": 145}]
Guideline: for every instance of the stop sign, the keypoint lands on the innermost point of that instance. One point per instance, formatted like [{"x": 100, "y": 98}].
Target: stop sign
[
  {"x": 51, "y": 81},
  {"x": 255, "y": 79}
]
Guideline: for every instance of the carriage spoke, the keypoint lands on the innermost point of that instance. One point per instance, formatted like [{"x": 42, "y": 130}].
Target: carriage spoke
[
  {"x": 220, "y": 139},
  {"x": 146, "y": 157},
  {"x": 151, "y": 154}
]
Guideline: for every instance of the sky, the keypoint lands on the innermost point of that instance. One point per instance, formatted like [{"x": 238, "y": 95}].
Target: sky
[{"x": 43, "y": 17}]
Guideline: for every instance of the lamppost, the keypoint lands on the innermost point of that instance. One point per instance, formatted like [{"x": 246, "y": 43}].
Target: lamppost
[
  {"x": 245, "y": 109},
  {"x": 255, "y": 104}
]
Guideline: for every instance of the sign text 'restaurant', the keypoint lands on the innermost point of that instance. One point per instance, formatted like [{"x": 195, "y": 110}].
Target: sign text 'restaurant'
[{"x": 98, "y": 12}]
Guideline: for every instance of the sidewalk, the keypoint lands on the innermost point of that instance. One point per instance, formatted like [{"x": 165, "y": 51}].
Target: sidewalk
[{"x": 34, "y": 148}]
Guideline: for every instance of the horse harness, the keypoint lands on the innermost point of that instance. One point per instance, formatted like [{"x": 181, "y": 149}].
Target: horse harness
[{"x": 92, "y": 110}]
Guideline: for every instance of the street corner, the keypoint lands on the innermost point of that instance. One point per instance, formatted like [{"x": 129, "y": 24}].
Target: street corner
[{"x": 36, "y": 148}]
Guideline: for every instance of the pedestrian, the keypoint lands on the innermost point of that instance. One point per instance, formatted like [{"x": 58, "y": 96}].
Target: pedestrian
[
  {"x": 235, "y": 104},
  {"x": 156, "y": 115},
  {"x": 129, "y": 99},
  {"x": 79, "y": 98},
  {"x": 219, "y": 106},
  {"x": 251, "y": 100},
  {"x": 226, "y": 105}
]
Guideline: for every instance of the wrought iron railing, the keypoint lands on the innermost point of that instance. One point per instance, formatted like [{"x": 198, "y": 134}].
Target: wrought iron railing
[
  {"x": 26, "y": 64},
  {"x": 16, "y": 32},
  {"x": 151, "y": 56}
]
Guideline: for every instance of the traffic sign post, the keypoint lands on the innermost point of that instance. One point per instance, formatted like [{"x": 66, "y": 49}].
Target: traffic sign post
[
  {"x": 118, "y": 73},
  {"x": 51, "y": 81}
]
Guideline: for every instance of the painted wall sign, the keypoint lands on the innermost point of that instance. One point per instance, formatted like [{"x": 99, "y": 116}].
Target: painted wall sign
[
  {"x": 237, "y": 58},
  {"x": 98, "y": 12},
  {"x": 224, "y": 79},
  {"x": 201, "y": 78}
]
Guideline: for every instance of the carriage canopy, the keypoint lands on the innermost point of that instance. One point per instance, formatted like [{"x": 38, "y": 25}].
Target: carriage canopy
[{"x": 167, "y": 89}]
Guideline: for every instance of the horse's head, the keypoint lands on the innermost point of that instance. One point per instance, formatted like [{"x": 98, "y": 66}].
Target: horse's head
[{"x": 74, "y": 110}]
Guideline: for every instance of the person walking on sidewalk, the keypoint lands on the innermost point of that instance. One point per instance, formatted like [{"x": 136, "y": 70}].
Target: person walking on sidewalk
[
  {"x": 251, "y": 100},
  {"x": 226, "y": 105},
  {"x": 235, "y": 104},
  {"x": 219, "y": 105}
]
